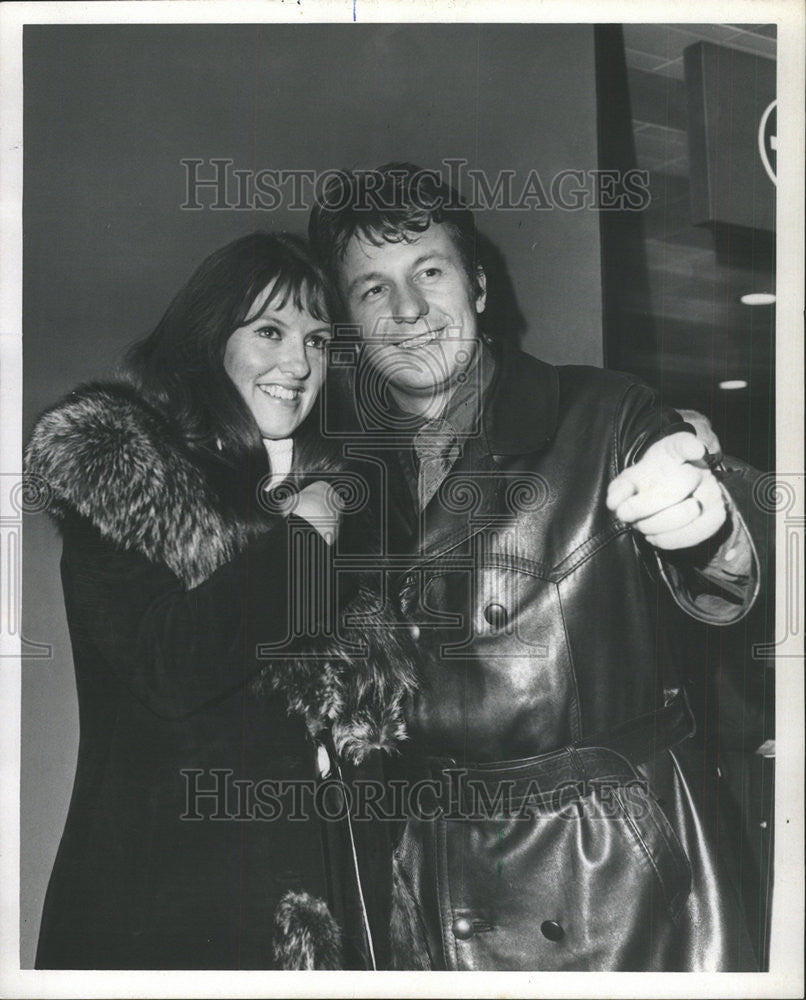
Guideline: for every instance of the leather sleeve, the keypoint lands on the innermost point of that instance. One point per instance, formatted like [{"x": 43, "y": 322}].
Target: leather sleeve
[
  {"x": 716, "y": 582},
  {"x": 177, "y": 649}
]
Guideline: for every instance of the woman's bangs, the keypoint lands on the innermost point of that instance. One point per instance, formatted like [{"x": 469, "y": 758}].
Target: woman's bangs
[{"x": 304, "y": 290}]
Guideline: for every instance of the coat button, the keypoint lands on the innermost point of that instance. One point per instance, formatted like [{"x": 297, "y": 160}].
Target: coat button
[
  {"x": 552, "y": 930},
  {"x": 462, "y": 928},
  {"x": 414, "y": 632},
  {"x": 496, "y": 615}
]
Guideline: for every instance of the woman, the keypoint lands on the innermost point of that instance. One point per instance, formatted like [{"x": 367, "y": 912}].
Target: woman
[{"x": 179, "y": 563}]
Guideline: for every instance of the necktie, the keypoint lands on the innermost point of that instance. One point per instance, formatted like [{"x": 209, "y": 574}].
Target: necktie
[{"x": 437, "y": 447}]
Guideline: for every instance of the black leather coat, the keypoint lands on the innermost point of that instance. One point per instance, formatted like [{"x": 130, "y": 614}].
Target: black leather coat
[{"x": 541, "y": 623}]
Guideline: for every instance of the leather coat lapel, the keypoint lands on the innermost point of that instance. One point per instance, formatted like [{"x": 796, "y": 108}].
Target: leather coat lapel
[
  {"x": 520, "y": 419},
  {"x": 468, "y": 498},
  {"x": 403, "y": 513},
  {"x": 378, "y": 460},
  {"x": 522, "y": 410}
]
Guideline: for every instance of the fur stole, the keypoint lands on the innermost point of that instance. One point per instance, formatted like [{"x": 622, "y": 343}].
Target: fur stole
[{"x": 105, "y": 454}]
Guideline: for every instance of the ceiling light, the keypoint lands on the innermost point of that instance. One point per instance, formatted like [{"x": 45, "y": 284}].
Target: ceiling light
[
  {"x": 733, "y": 383},
  {"x": 758, "y": 299}
]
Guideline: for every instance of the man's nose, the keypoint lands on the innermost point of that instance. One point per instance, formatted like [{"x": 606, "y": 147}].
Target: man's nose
[
  {"x": 408, "y": 305},
  {"x": 294, "y": 359}
]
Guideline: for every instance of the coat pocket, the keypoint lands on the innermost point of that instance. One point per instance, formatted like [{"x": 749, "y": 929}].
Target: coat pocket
[{"x": 645, "y": 824}]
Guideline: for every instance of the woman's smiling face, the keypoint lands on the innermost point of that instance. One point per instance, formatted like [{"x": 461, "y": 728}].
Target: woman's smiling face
[{"x": 277, "y": 361}]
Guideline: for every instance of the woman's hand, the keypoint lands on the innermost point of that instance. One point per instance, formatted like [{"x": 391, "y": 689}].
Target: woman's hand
[{"x": 319, "y": 504}]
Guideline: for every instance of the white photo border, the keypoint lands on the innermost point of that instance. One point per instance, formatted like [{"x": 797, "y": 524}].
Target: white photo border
[{"x": 785, "y": 978}]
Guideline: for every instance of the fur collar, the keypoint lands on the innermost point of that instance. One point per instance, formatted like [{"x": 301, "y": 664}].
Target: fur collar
[{"x": 105, "y": 454}]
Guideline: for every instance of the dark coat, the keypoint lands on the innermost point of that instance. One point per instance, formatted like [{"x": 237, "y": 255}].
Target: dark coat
[
  {"x": 542, "y": 624},
  {"x": 173, "y": 855}
]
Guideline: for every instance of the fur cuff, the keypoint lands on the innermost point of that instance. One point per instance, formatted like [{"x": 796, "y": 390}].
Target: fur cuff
[
  {"x": 356, "y": 684},
  {"x": 306, "y": 936}
]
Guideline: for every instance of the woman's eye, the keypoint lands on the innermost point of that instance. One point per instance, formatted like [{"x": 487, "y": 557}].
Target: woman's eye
[
  {"x": 372, "y": 293},
  {"x": 317, "y": 341},
  {"x": 270, "y": 332}
]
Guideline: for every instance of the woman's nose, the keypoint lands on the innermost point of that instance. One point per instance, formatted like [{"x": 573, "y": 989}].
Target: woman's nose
[
  {"x": 294, "y": 358},
  {"x": 408, "y": 305}
]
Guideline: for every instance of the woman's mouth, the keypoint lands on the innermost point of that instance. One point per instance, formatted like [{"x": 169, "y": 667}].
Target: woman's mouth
[{"x": 280, "y": 391}]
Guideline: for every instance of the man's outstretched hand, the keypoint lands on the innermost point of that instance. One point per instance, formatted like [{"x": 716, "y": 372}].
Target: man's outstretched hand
[{"x": 670, "y": 495}]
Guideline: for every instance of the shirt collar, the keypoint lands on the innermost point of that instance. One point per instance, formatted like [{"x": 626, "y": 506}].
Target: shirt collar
[
  {"x": 515, "y": 394},
  {"x": 464, "y": 407}
]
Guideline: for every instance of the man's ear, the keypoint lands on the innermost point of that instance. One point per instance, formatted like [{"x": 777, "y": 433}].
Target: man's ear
[{"x": 481, "y": 289}]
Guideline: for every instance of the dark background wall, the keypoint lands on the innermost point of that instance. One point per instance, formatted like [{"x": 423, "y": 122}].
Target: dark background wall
[{"x": 110, "y": 111}]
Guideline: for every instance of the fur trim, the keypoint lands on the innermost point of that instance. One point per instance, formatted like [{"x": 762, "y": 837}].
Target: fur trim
[
  {"x": 407, "y": 935},
  {"x": 104, "y": 453},
  {"x": 356, "y": 685},
  {"x": 306, "y": 935}
]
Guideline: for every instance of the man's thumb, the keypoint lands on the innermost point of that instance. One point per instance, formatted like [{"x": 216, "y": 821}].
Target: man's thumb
[{"x": 685, "y": 446}]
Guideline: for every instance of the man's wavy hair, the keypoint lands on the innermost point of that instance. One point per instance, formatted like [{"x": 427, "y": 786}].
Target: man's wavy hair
[
  {"x": 393, "y": 204},
  {"x": 179, "y": 367}
]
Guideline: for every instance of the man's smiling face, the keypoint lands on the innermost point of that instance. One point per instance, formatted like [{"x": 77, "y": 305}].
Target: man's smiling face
[{"x": 417, "y": 310}]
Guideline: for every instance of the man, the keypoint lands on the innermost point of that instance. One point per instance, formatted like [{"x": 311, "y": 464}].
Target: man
[{"x": 548, "y": 511}]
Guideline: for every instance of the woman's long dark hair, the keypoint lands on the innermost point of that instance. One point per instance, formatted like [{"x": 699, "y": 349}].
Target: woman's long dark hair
[{"x": 179, "y": 367}]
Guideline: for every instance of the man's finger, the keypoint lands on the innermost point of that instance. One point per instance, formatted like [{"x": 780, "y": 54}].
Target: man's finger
[
  {"x": 683, "y": 446},
  {"x": 691, "y": 534},
  {"x": 659, "y": 493},
  {"x": 704, "y": 431},
  {"x": 619, "y": 489},
  {"x": 677, "y": 516},
  {"x": 709, "y": 492},
  {"x": 659, "y": 467}
]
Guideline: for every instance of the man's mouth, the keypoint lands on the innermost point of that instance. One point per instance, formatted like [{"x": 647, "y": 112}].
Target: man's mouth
[
  {"x": 280, "y": 391},
  {"x": 421, "y": 340}
]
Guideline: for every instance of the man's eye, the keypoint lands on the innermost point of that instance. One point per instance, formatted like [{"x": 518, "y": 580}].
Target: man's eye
[
  {"x": 430, "y": 272},
  {"x": 373, "y": 293},
  {"x": 270, "y": 332}
]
